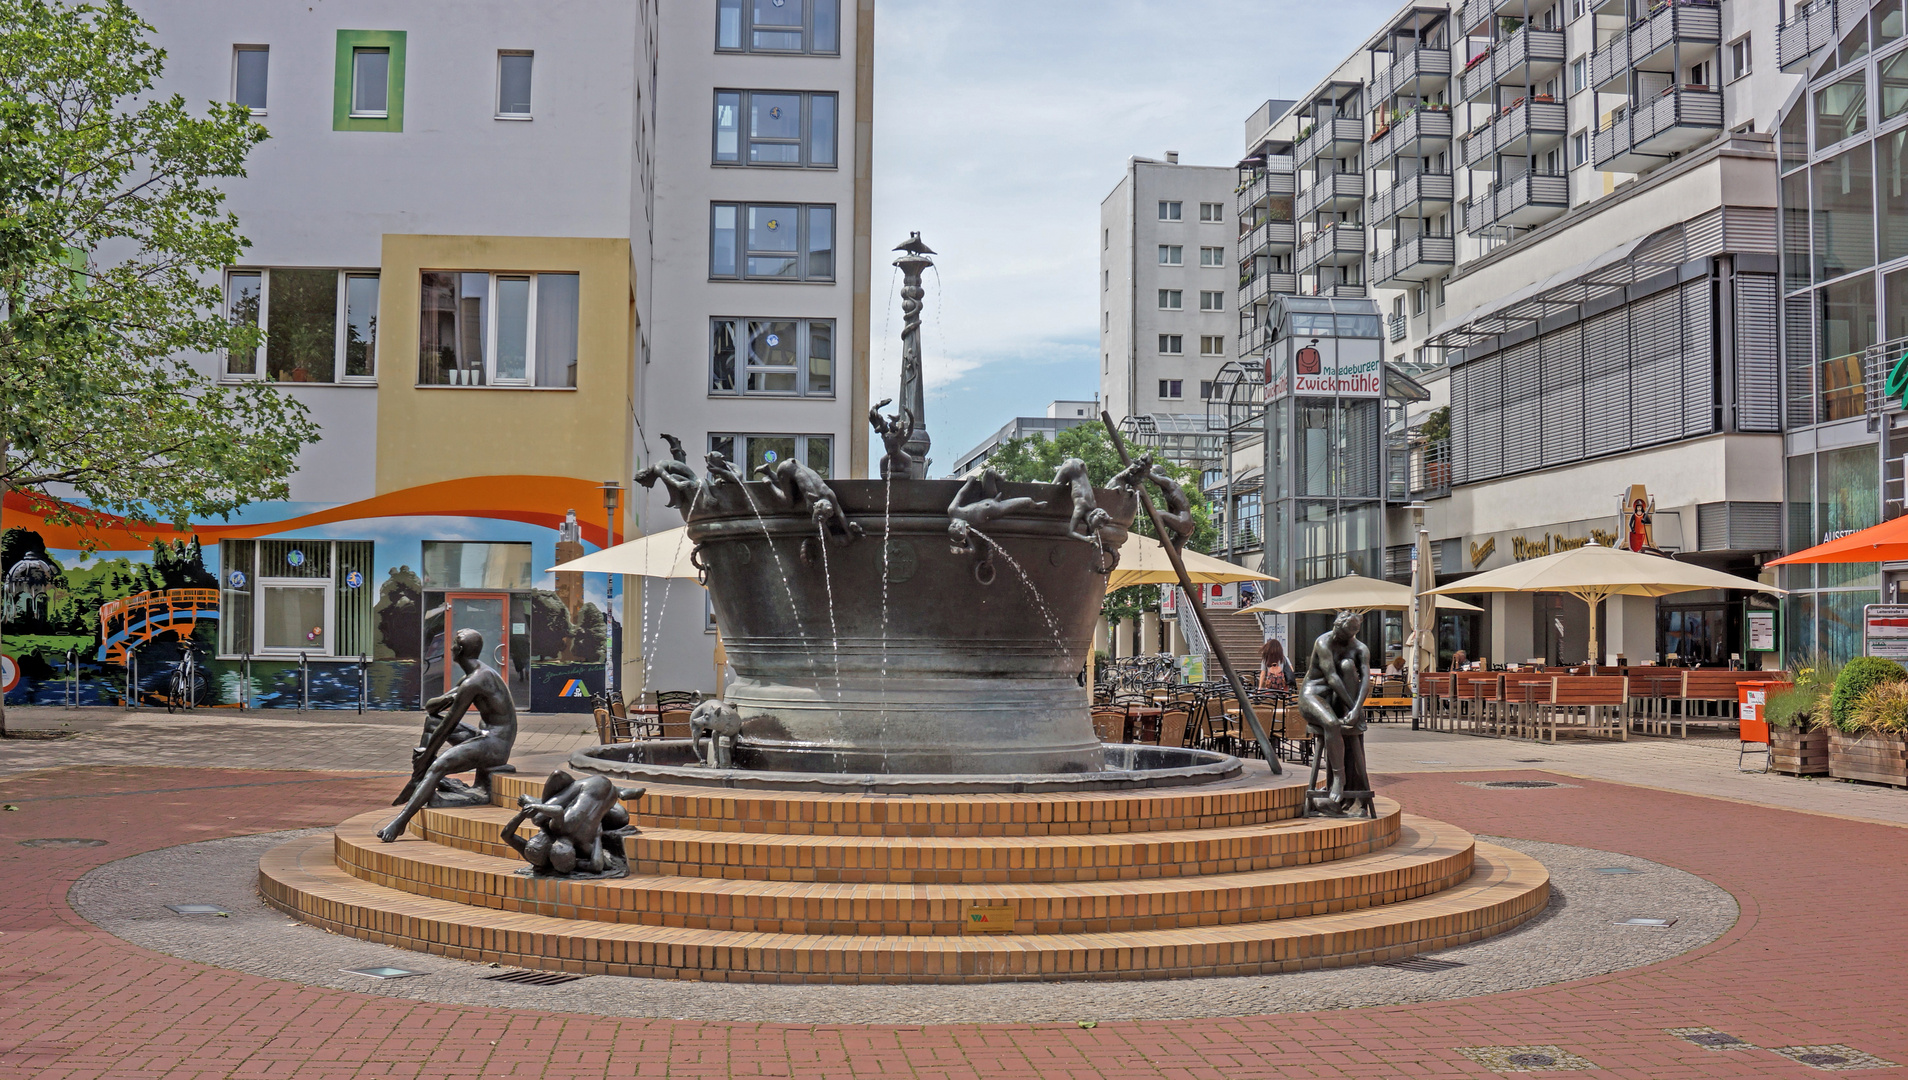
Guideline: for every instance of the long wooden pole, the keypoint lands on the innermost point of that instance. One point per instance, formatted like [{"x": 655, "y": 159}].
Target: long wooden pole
[{"x": 1198, "y": 606}]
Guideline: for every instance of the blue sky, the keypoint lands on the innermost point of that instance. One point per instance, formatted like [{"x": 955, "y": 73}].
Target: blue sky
[{"x": 1000, "y": 126}]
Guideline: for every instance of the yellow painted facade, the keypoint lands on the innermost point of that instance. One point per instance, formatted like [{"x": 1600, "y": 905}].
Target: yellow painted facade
[{"x": 428, "y": 434}]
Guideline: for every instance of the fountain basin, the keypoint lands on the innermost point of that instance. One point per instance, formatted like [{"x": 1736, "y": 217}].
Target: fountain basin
[
  {"x": 895, "y": 654},
  {"x": 1121, "y": 767}
]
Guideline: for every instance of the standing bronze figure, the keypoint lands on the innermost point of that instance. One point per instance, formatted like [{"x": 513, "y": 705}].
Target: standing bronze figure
[
  {"x": 895, "y": 431},
  {"x": 485, "y": 750},
  {"x": 1337, "y": 681}
]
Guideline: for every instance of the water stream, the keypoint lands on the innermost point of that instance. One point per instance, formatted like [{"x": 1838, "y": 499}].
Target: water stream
[
  {"x": 887, "y": 533},
  {"x": 828, "y": 584}
]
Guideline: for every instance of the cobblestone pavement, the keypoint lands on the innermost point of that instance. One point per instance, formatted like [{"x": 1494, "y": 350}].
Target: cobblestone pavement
[
  {"x": 1812, "y": 967},
  {"x": 1578, "y": 936}
]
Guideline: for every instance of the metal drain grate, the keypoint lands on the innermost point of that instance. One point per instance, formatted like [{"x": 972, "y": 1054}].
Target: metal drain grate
[
  {"x": 534, "y": 978},
  {"x": 382, "y": 972},
  {"x": 198, "y": 909},
  {"x": 1616, "y": 870},
  {"x": 1423, "y": 964},
  {"x": 62, "y": 841},
  {"x": 1521, "y": 783},
  {"x": 1527, "y": 760},
  {"x": 1647, "y": 920}
]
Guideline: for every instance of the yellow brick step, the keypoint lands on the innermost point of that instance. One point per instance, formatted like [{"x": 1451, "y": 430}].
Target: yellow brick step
[
  {"x": 1428, "y": 856},
  {"x": 301, "y": 878},
  {"x": 955, "y": 860}
]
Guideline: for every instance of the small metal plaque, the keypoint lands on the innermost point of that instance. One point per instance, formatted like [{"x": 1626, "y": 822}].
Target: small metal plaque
[
  {"x": 901, "y": 559},
  {"x": 988, "y": 920},
  {"x": 382, "y": 972},
  {"x": 198, "y": 909}
]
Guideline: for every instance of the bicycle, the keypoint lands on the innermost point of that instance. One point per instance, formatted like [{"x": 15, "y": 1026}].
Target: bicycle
[{"x": 187, "y": 683}]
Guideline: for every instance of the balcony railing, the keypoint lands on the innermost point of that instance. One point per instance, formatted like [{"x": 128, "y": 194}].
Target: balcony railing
[
  {"x": 1523, "y": 127},
  {"x": 1429, "y": 129},
  {"x": 1413, "y": 72},
  {"x": 1342, "y": 292},
  {"x": 1396, "y": 325},
  {"x": 1431, "y": 469},
  {"x": 1339, "y": 191},
  {"x": 1475, "y": 13},
  {"x": 1682, "y": 22},
  {"x": 1420, "y": 258},
  {"x": 1264, "y": 285},
  {"x": 1414, "y": 196},
  {"x": 1330, "y": 138},
  {"x": 1275, "y": 179},
  {"x": 1526, "y": 56},
  {"x": 1273, "y": 236},
  {"x": 1524, "y": 201},
  {"x": 1680, "y": 118},
  {"x": 1339, "y": 245},
  {"x": 1814, "y": 25}
]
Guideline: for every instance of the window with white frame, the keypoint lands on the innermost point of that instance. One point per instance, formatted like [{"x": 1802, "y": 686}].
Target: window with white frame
[
  {"x": 772, "y": 357},
  {"x": 1417, "y": 300},
  {"x": 1212, "y": 211},
  {"x": 1171, "y": 344},
  {"x": 497, "y": 328},
  {"x": 1171, "y": 255},
  {"x": 286, "y": 597},
  {"x": 1740, "y": 60},
  {"x": 771, "y": 242},
  {"x": 319, "y": 325},
  {"x": 1580, "y": 148},
  {"x": 748, "y": 452},
  {"x": 1579, "y": 74},
  {"x": 1212, "y": 345},
  {"x": 1205, "y": 389},
  {"x": 371, "y": 82},
  {"x": 779, "y": 128},
  {"x": 1212, "y": 300},
  {"x": 779, "y": 26},
  {"x": 1169, "y": 211},
  {"x": 250, "y": 65},
  {"x": 1212, "y": 256},
  {"x": 1169, "y": 299},
  {"x": 513, "y": 83},
  {"x": 1169, "y": 389}
]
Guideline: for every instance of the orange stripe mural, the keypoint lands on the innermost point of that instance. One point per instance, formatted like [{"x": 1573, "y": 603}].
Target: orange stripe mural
[{"x": 534, "y": 500}]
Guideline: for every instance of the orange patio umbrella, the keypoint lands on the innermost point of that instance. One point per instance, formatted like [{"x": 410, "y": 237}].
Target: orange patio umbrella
[{"x": 1886, "y": 542}]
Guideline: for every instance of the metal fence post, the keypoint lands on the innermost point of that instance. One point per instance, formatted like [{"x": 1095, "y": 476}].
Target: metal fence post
[{"x": 304, "y": 682}]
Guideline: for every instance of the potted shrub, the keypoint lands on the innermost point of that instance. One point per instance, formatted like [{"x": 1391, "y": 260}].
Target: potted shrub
[
  {"x": 1869, "y": 711},
  {"x": 1798, "y": 721}
]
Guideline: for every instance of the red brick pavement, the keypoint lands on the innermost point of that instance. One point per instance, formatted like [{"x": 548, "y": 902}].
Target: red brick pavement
[{"x": 1818, "y": 957}]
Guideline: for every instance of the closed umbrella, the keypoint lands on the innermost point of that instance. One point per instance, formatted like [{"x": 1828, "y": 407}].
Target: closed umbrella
[
  {"x": 1353, "y": 592},
  {"x": 1593, "y": 572},
  {"x": 659, "y": 555},
  {"x": 1143, "y": 562}
]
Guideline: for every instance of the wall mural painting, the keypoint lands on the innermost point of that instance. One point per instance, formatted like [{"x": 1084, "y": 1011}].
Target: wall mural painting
[{"x": 366, "y": 599}]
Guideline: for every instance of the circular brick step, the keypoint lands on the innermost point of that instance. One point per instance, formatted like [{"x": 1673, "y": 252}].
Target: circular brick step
[
  {"x": 302, "y": 877},
  {"x": 1428, "y": 856},
  {"x": 955, "y": 860}
]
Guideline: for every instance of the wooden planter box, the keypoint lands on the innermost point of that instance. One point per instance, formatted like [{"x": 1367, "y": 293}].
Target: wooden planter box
[
  {"x": 1879, "y": 759},
  {"x": 1799, "y": 754}
]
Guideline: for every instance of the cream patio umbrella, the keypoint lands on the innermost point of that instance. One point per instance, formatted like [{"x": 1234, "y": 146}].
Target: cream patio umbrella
[
  {"x": 1143, "y": 562},
  {"x": 1593, "y": 572},
  {"x": 1352, "y": 592},
  {"x": 659, "y": 555}
]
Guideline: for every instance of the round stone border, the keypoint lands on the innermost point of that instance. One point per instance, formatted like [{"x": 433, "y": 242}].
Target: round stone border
[{"x": 1575, "y": 937}]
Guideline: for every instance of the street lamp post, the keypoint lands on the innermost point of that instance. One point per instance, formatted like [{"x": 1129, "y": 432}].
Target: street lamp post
[{"x": 612, "y": 499}]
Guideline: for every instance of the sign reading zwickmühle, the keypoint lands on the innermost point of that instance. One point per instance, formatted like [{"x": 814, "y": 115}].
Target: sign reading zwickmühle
[{"x": 988, "y": 920}]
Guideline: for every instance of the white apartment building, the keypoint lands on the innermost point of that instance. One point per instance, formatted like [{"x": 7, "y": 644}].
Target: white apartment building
[{"x": 499, "y": 255}]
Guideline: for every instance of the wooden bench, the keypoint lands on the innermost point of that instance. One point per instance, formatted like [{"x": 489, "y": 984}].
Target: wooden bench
[
  {"x": 1525, "y": 695},
  {"x": 1595, "y": 705},
  {"x": 1435, "y": 688}
]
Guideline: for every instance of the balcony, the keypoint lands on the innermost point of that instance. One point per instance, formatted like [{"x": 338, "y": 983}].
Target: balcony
[
  {"x": 1420, "y": 258},
  {"x": 1273, "y": 237},
  {"x": 1526, "y": 57},
  {"x": 1475, "y": 13},
  {"x": 1680, "y": 118},
  {"x": 1654, "y": 41},
  {"x": 1275, "y": 179},
  {"x": 1330, "y": 194},
  {"x": 1334, "y": 137},
  {"x": 1431, "y": 469},
  {"x": 1425, "y": 131},
  {"x": 1336, "y": 245},
  {"x": 1421, "y": 195},
  {"x": 1263, "y": 286},
  {"x": 1395, "y": 326},
  {"x": 1814, "y": 25},
  {"x": 1523, "y": 127},
  {"x": 1416, "y": 73},
  {"x": 1523, "y": 202},
  {"x": 1342, "y": 292}
]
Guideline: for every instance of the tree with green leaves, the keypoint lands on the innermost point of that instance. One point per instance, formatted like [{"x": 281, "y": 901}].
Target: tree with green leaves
[{"x": 112, "y": 238}]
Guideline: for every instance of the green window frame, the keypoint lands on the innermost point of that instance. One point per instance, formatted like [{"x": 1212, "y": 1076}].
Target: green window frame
[{"x": 349, "y": 41}]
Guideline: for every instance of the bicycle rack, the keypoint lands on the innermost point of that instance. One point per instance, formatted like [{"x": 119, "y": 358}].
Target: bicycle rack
[
  {"x": 364, "y": 681},
  {"x": 304, "y": 682}
]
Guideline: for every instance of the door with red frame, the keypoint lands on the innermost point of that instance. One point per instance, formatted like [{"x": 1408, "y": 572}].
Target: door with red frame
[{"x": 488, "y": 613}]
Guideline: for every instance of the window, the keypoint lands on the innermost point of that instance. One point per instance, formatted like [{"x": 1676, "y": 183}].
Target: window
[
  {"x": 1169, "y": 389},
  {"x": 513, "y": 84},
  {"x": 1106, "y": 280},
  {"x": 249, "y": 66},
  {"x": 1212, "y": 256},
  {"x": 1106, "y": 239},
  {"x": 1892, "y": 74},
  {"x": 756, "y": 450},
  {"x": 1578, "y": 77},
  {"x": 758, "y": 242},
  {"x": 1580, "y": 148},
  {"x": 320, "y": 326},
  {"x": 1739, "y": 57},
  {"x": 789, "y": 357},
  {"x": 762, "y": 127},
  {"x": 782, "y": 26},
  {"x": 1205, "y": 389},
  {"x": 1170, "y": 254},
  {"x": 368, "y": 85},
  {"x": 1844, "y": 219},
  {"x": 1841, "y": 110},
  {"x": 1212, "y": 211},
  {"x": 285, "y": 597},
  {"x": 1169, "y": 211},
  {"x": 477, "y": 328},
  {"x": 1212, "y": 345},
  {"x": 1212, "y": 300},
  {"x": 1106, "y": 322},
  {"x": 1169, "y": 299},
  {"x": 1170, "y": 344}
]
